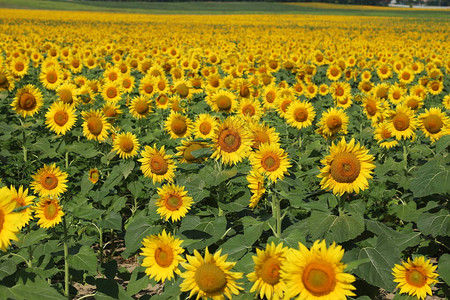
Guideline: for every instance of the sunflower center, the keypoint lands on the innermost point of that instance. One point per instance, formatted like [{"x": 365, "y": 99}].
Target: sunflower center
[
  {"x": 148, "y": 88},
  {"x": 158, "y": 165},
  {"x": 433, "y": 124},
  {"x": 50, "y": 211},
  {"x": 223, "y": 102},
  {"x": 270, "y": 271},
  {"x": 112, "y": 76},
  {"x": 164, "y": 256},
  {"x": 416, "y": 278},
  {"x": 406, "y": 76},
  {"x": 162, "y": 99},
  {"x": 401, "y": 121},
  {"x": 345, "y": 167},
  {"x": 111, "y": 92},
  {"x": 19, "y": 66},
  {"x": 300, "y": 115},
  {"x": 205, "y": 128},
  {"x": 183, "y": 90},
  {"x": 210, "y": 278},
  {"x": 93, "y": 176},
  {"x": 161, "y": 85},
  {"x": 49, "y": 181},
  {"x": 52, "y": 77},
  {"x": 229, "y": 140},
  {"x": 3, "y": 79},
  {"x": 178, "y": 126},
  {"x": 339, "y": 91},
  {"x": 382, "y": 92},
  {"x": 385, "y": 134},
  {"x": 126, "y": 83},
  {"x": 126, "y": 145},
  {"x": 173, "y": 202},
  {"x": 187, "y": 154},
  {"x": 270, "y": 162},
  {"x": 334, "y": 122},
  {"x": 141, "y": 107},
  {"x": 413, "y": 104},
  {"x": 76, "y": 63},
  {"x": 396, "y": 95},
  {"x": 371, "y": 108},
  {"x": 95, "y": 125},
  {"x": 19, "y": 202},
  {"x": 66, "y": 96},
  {"x": 27, "y": 101},
  {"x": 244, "y": 91},
  {"x": 61, "y": 118},
  {"x": 434, "y": 86},
  {"x": 270, "y": 96},
  {"x": 248, "y": 110},
  {"x": 334, "y": 72},
  {"x": 319, "y": 279}
]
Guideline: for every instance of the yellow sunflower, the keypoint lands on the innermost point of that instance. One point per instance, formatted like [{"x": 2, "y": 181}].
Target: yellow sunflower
[
  {"x": 162, "y": 101},
  {"x": 95, "y": 126},
  {"x": 178, "y": 125},
  {"x": 231, "y": 141},
  {"x": 434, "y": 123},
  {"x": 19, "y": 66},
  {"x": 185, "y": 151},
  {"x": 383, "y": 136},
  {"x": 347, "y": 168},
  {"x": 261, "y": 133},
  {"x": 415, "y": 277},
  {"x": 271, "y": 160},
  {"x": 334, "y": 72},
  {"x": 111, "y": 91},
  {"x": 6, "y": 80},
  {"x": 51, "y": 78},
  {"x": 49, "y": 212},
  {"x": 210, "y": 276},
  {"x": 28, "y": 101},
  {"x": 250, "y": 109},
  {"x": 60, "y": 117},
  {"x": 266, "y": 274},
  {"x": 127, "y": 83},
  {"x": 222, "y": 101},
  {"x": 402, "y": 123},
  {"x": 256, "y": 185},
  {"x": 269, "y": 96},
  {"x": 67, "y": 93},
  {"x": 311, "y": 90},
  {"x": 156, "y": 164},
  {"x": 183, "y": 89},
  {"x": 435, "y": 87},
  {"x": 49, "y": 181},
  {"x": 316, "y": 273},
  {"x": 147, "y": 86},
  {"x": 406, "y": 76},
  {"x": 140, "y": 107},
  {"x": 446, "y": 102},
  {"x": 300, "y": 114},
  {"x": 126, "y": 145},
  {"x": 373, "y": 108},
  {"x": 173, "y": 203},
  {"x": 162, "y": 256},
  {"x": 396, "y": 94},
  {"x": 413, "y": 102},
  {"x": 94, "y": 175},
  {"x": 111, "y": 111},
  {"x": 21, "y": 198},
  {"x": 333, "y": 121},
  {"x": 340, "y": 90},
  {"x": 205, "y": 126},
  {"x": 10, "y": 220}
]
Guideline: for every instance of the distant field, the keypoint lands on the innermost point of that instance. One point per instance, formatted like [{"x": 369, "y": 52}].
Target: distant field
[{"x": 222, "y": 8}]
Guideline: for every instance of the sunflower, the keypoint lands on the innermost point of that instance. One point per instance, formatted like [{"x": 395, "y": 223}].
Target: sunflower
[
  {"x": 365, "y": 86},
  {"x": 178, "y": 125},
  {"x": 185, "y": 151},
  {"x": 10, "y": 220},
  {"x": 402, "y": 123},
  {"x": 111, "y": 91},
  {"x": 162, "y": 101},
  {"x": 210, "y": 276},
  {"x": 94, "y": 175},
  {"x": 270, "y": 95},
  {"x": 127, "y": 83},
  {"x": 323, "y": 89},
  {"x": 381, "y": 90},
  {"x": 300, "y": 114},
  {"x": 231, "y": 141},
  {"x": 49, "y": 212},
  {"x": 19, "y": 66},
  {"x": 415, "y": 277},
  {"x": 434, "y": 123},
  {"x": 243, "y": 88},
  {"x": 332, "y": 122},
  {"x": 316, "y": 273},
  {"x": 446, "y": 102},
  {"x": 222, "y": 101},
  {"x": 347, "y": 168},
  {"x": 334, "y": 72},
  {"x": 435, "y": 87},
  {"x": 51, "y": 78},
  {"x": 126, "y": 145},
  {"x": 112, "y": 74},
  {"x": 384, "y": 136},
  {"x": 283, "y": 104},
  {"x": 95, "y": 126},
  {"x": 147, "y": 86},
  {"x": 311, "y": 90},
  {"x": 413, "y": 102},
  {"x": 28, "y": 101},
  {"x": 213, "y": 81},
  {"x": 49, "y": 181},
  {"x": 162, "y": 255},
  {"x": 271, "y": 160},
  {"x": 396, "y": 94},
  {"x": 60, "y": 117},
  {"x": 373, "y": 108},
  {"x": 156, "y": 164},
  {"x": 419, "y": 91},
  {"x": 205, "y": 126},
  {"x": 173, "y": 203},
  {"x": 67, "y": 93},
  {"x": 21, "y": 198},
  {"x": 6, "y": 80},
  {"x": 156, "y": 71},
  {"x": 111, "y": 111},
  {"x": 406, "y": 76},
  {"x": 256, "y": 185},
  {"x": 140, "y": 107},
  {"x": 384, "y": 71},
  {"x": 183, "y": 89},
  {"x": 250, "y": 109},
  {"x": 340, "y": 90},
  {"x": 266, "y": 274}
]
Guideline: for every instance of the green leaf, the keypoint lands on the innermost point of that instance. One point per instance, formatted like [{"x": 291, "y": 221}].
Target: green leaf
[
  {"x": 85, "y": 150},
  {"x": 126, "y": 168},
  {"x": 437, "y": 224},
  {"x": 214, "y": 177},
  {"x": 340, "y": 228},
  {"x": 444, "y": 268},
  {"x": 84, "y": 260},
  {"x": 202, "y": 232},
  {"x": 88, "y": 213},
  {"x": 432, "y": 178},
  {"x": 171, "y": 290},
  {"x": 382, "y": 258},
  {"x": 112, "y": 221},
  {"x": 355, "y": 264},
  {"x": 32, "y": 238},
  {"x": 236, "y": 246},
  {"x": 442, "y": 144},
  {"x": 200, "y": 153},
  {"x": 402, "y": 240},
  {"x": 136, "y": 231},
  {"x": 33, "y": 287},
  {"x": 135, "y": 188},
  {"x": 138, "y": 281},
  {"x": 108, "y": 289},
  {"x": 7, "y": 267}
]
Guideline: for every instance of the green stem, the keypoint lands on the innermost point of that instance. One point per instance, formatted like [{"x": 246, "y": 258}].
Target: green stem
[
  {"x": 24, "y": 259},
  {"x": 221, "y": 196},
  {"x": 276, "y": 211},
  {"x": 30, "y": 251},
  {"x": 67, "y": 160},
  {"x": 100, "y": 243},
  {"x": 66, "y": 263},
  {"x": 405, "y": 157}
]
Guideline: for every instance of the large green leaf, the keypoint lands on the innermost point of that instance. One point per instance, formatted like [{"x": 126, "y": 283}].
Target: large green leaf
[
  {"x": 30, "y": 287},
  {"x": 32, "y": 237},
  {"x": 201, "y": 232},
  {"x": 108, "y": 289},
  {"x": 138, "y": 228},
  {"x": 138, "y": 281},
  {"x": 437, "y": 224},
  {"x": 113, "y": 220},
  {"x": 432, "y": 178},
  {"x": 444, "y": 268},
  {"x": 7, "y": 267},
  {"x": 402, "y": 240},
  {"x": 340, "y": 228},
  {"x": 84, "y": 260}
]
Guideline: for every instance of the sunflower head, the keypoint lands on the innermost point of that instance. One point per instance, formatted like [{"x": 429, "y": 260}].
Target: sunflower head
[
  {"x": 94, "y": 175},
  {"x": 173, "y": 203},
  {"x": 48, "y": 212},
  {"x": 126, "y": 145},
  {"x": 49, "y": 181},
  {"x": 156, "y": 164}
]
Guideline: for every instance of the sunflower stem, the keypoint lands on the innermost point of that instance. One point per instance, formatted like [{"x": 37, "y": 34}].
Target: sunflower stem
[
  {"x": 24, "y": 259},
  {"x": 405, "y": 157},
  {"x": 221, "y": 196},
  {"x": 66, "y": 263},
  {"x": 67, "y": 159},
  {"x": 276, "y": 212}
]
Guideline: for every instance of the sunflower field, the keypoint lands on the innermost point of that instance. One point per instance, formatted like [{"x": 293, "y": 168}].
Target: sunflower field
[{"x": 223, "y": 157}]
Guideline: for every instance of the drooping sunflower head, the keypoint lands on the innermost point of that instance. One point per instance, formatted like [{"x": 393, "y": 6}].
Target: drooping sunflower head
[
  {"x": 384, "y": 137},
  {"x": 111, "y": 111},
  {"x": 210, "y": 276},
  {"x": 28, "y": 101},
  {"x": 173, "y": 202},
  {"x": 60, "y": 117},
  {"x": 415, "y": 277},
  {"x": 162, "y": 256},
  {"x": 317, "y": 272},
  {"x": 256, "y": 185},
  {"x": 49, "y": 181},
  {"x": 347, "y": 168},
  {"x": 6, "y": 80},
  {"x": 95, "y": 125},
  {"x": 183, "y": 89},
  {"x": 178, "y": 125},
  {"x": 126, "y": 145},
  {"x": 156, "y": 164},
  {"x": 261, "y": 133},
  {"x": 48, "y": 212}
]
